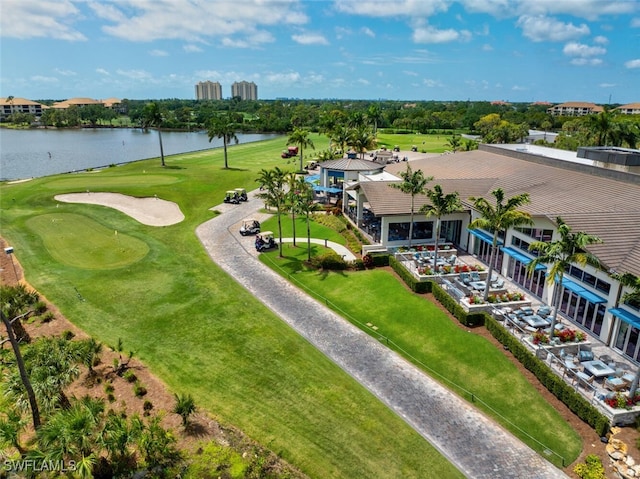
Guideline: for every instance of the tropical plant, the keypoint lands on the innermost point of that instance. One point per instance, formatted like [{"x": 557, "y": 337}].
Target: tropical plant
[
  {"x": 340, "y": 138},
  {"x": 439, "y": 206},
  {"x": 499, "y": 218},
  {"x": 374, "y": 115},
  {"x": 601, "y": 126},
  {"x": 91, "y": 354},
  {"x": 152, "y": 117},
  {"x": 292, "y": 199},
  {"x": 568, "y": 249},
  {"x": 273, "y": 194},
  {"x": 300, "y": 138},
  {"x": 454, "y": 143},
  {"x": 222, "y": 126},
  {"x": 413, "y": 183},
  {"x": 362, "y": 140},
  {"x": 306, "y": 206},
  {"x": 185, "y": 407}
]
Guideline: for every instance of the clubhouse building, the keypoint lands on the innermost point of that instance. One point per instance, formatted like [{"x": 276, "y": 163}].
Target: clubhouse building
[{"x": 596, "y": 191}]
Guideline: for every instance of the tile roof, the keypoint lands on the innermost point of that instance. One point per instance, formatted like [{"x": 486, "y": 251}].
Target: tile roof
[
  {"x": 346, "y": 164},
  {"x": 606, "y": 207}
]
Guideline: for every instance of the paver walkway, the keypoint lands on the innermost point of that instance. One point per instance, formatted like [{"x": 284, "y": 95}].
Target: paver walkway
[{"x": 476, "y": 445}]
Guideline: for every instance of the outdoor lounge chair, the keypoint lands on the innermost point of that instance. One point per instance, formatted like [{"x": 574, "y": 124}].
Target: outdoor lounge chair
[
  {"x": 475, "y": 276},
  {"x": 465, "y": 278},
  {"x": 499, "y": 284}
]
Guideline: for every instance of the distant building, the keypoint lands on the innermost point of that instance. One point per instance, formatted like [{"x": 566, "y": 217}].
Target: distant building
[
  {"x": 629, "y": 109},
  {"x": 574, "y": 108},
  {"x": 245, "y": 90},
  {"x": 79, "y": 102},
  {"x": 208, "y": 90},
  {"x": 10, "y": 105}
]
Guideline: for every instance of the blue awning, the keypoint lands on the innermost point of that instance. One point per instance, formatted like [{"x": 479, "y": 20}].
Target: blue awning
[
  {"x": 312, "y": 178},
  {"x": 484, "y": 236},
  {"x": 582, "y": 292},
  {"x": 626, "y": 316},
  {"x": 524, "y": 259},
  {"x": 328, "y": 189},
  {"x": 335, "y": 174}
]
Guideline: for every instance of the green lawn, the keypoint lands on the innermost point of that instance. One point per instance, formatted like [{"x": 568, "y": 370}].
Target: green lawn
[
  {"x": 428, "y": 143},
  {"x": 192, "y": 325},
  {"x": 463, "y": 362}
]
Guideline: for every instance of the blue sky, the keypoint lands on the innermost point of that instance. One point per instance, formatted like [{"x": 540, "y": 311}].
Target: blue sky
[{"x": 512, "y": 50}]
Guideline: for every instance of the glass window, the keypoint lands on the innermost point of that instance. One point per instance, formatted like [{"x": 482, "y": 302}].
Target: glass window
[
  {"x": 630, "y": 350},
  {"x": 622, "y": 335}
]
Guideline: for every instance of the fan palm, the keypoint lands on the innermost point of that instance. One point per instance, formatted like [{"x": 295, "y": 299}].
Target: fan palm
[
  {"x": 499, "y": 218},
  {"x": 273, "y": 194},
  {"x": 223, "y": 127},
  {"x": 300, "y": 138},
  {"x": 560, "y": 254},
  {"x": 152, "y": 117}
]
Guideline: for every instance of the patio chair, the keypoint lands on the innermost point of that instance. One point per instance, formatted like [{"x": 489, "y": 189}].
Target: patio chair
[
  {"x": 452, "y": 259},
  {"x": 544, "y": 311},
  {"x": 465, "y": 278},
  {"x": 499, "y": 284},
  {"x": 475, "y": 276}
]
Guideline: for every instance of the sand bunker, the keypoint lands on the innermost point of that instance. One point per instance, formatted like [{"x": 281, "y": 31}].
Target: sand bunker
[{"x": 148, "y": 211}]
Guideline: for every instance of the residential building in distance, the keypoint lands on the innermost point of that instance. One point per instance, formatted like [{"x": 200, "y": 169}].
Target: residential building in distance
[
  {"x": 208, "y": 90},
  {"x": 245, "y": 90},
  {"x": 11, "y": 105},
  {"x": 629, "y": 109},
  {"x": 574, "y": 108}
]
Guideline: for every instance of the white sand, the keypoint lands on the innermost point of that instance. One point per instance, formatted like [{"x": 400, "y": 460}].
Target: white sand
[{"x": 148, "y": 211}]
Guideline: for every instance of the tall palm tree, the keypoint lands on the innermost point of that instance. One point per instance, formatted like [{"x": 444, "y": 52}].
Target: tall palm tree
[
  {"x": 601, "y": 126},
  {"x": 341, "y": 137},
  {"x": 362, "y": 140},
  {"x": 497, "y": 219},
  {"x": 152, "y": 117},
  {"x": 300, "y": 138},
  {"x": 306, "y": 206},
  {"x": 223, "y": 127},
  {"x": 440, "y": 206},
  {"x": 273, "y": 194},
  {"x": 413, "y": 183},
  {"x": 374, "y": 115},
  {"x": 292, "y": 199},
  {"x": 560, "y": 254}
]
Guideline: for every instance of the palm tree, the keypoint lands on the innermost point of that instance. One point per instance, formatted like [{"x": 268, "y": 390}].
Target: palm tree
[
  {"x": 413, "y": 183},
  {"x": 300, "y": 138},
  {"x": 454, "y": 143},
  {"x": 273, "y": 194},
  {"x": 306, "y": 206},
  {"x": 560, "y": 254},
  {"x": 152, "y": 117},
  {"x": 441, "y": 205},
  {"x": 223, "y": 127},
  {"x": 362, "y": 140},
  {"x": 499, "y": 218},
  {"x": 91, "y": 354},
  {"x": 292, "y": 199},
  {"x": 185, "y": 406},
  {"x": 374, "y": 115},
  {"x": 341, "y": 137},
  {"x": 601, "y": 126}
]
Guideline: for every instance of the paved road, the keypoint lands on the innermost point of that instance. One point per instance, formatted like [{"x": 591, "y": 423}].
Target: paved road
[{"x": 477, "y": 446}]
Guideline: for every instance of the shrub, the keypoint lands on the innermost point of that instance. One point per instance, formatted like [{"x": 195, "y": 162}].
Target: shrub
[
  {"x": 111, "y": 397},
  {"x": 592, "y": 468},
  {"x": 329, "y": 261},
  {"x": 39, "y": 308},
  {"x": 367, "y": 261},
  {"x": 130, "y": 376},
  {"x": 108, "y": 388},
  {"x": 147, "y": 407},
  {"x": 358, "y": 264},
  {"x": 48, "y": 317},
  {"x": 68, "y": 335},
  {"x": 139, "y": 390}
]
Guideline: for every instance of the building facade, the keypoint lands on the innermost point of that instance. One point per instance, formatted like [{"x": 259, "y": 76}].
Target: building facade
[
  {"x": 244, "y": 90},
  {"x": 574, "y": 108},
  {"x": 629, "y": 109},
  {"x": 11, "y": 105},
  {"x": 588, "y": 198},
  {"x": 208, "y": 90}
]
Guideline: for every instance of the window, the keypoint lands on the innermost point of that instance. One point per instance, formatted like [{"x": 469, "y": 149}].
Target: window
[{"x": 422, "y": 230}]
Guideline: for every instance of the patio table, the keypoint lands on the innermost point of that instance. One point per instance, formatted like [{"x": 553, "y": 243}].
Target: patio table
[
  {"x": 535, "y": 321},
  {"x": 478, "y": 285},
  {"x": 598, "y": 369}
]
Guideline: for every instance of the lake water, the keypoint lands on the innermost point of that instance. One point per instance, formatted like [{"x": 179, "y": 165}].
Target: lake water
[{"x": 41, "y": 152}]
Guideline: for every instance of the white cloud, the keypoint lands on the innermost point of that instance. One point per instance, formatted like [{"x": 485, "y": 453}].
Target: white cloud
[
  {"x": 429, "y": 34},
  {"x": 239, "y": 22},
  {"x": 601, "y": 40},
  {"x": 586, "y": 61},
  {"x": 574, "y": 49},
  {"x": 398, "y": 8},
  {"x": 283, "y": 78},
  {"x": 102, "y": 71},
  {"x": 65, "y": 73},
  {"x": 409, "y": 73},
  {"x": 633, "y": 63},
  {"x": 547, "y": 29},
  {"x": 44, "y": 79},
  {"x": 368, "y": 32},
  {"x": 487, "y": 48},
  {"x": 607, "y": 85},
  {"x": 587, "y": 9},
  {"x": 342, "y": 32},
  {"x": 310, "y": 39},
  {"x": 518, "y": 88},
  {"x": 428, "y": 82},
  {"x": 158, "y": 53},
  {"x": 635, "y": 22},
  {"x": 135, "y": 74},
  {"x": 33, "y": 18},
  {"x": 191, "y": 48},
  {"x": 363, "y": 81}
]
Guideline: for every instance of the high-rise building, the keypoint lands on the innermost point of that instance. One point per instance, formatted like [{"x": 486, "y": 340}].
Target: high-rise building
[
  {"x": 208, "y": 90},
  {"x": 245, "y": 90}
]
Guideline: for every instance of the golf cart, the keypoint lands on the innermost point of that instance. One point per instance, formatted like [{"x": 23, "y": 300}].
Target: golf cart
[
  {"x": 311, "y": 165},
  {"x": 265, "y": 241},
  {"x": 250, "y": 227},
  {"x": 242, "y": 194},
  {"x": 231, "y": 197}
]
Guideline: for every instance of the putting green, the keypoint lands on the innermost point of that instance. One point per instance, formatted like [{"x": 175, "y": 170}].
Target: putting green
[{"x": 79, "y": 241}]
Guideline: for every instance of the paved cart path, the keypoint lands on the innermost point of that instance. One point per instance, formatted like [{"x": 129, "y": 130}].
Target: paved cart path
[{"x": 476, "y": 445}]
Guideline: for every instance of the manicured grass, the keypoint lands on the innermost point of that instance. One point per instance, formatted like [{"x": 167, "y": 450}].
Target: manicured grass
[
  {"x": 429, "y": 143},
  {"x": 418, "y": 329},
  {"x": 317, "y": 230},
  {"x": 196, "y": 328}
]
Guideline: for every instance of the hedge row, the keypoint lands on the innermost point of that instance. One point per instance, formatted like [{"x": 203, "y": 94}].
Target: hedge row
[{"x": 556, "y": 385}]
